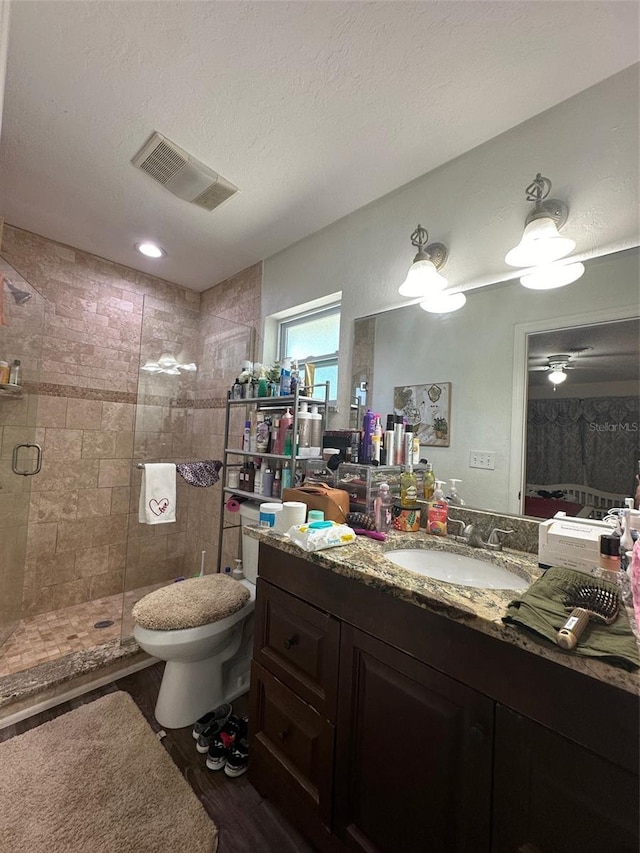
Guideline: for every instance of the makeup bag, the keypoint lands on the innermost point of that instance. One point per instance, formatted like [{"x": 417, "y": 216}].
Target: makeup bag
[{"x": 333, "y": 502}]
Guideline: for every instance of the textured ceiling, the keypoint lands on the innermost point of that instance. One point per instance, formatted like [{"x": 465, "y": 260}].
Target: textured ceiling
[
  {"x": 605, "y": 352},
  {"x": 313, "y": 109}
]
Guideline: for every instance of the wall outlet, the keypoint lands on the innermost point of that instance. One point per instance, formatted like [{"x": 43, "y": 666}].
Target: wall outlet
[{"x": 482, "y": 459}]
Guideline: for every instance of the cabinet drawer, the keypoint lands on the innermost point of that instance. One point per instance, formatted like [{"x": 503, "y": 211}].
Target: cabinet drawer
[
  {"x": 299, "y": 644},
  {"x": 293, "y": 740}
]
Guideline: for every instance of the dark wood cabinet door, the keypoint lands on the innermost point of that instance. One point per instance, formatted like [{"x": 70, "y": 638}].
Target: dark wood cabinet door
[
  {"x": 554, "y": 796},
  {"x": 291, "y": 742},
  {"x": 299, "y": 644},
  {"x": 413, "y": 757}
]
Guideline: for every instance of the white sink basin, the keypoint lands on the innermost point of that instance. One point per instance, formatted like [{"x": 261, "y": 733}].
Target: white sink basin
[{"x": 454, "y": 568}]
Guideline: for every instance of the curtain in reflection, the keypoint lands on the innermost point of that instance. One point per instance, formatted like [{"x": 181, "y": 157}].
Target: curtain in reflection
[{"x": 592, "y": 442}]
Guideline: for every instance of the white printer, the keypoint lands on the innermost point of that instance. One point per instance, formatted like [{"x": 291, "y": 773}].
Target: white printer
[{"x": 572, "y": 543}]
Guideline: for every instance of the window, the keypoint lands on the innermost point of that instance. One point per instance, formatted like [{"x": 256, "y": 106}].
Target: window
[{"x": 314, "y": 337}]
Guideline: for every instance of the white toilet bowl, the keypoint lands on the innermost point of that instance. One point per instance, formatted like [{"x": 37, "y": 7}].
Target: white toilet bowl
[
  {"x": 207, "y": 665},
  {"x": 195, "y": 680}
]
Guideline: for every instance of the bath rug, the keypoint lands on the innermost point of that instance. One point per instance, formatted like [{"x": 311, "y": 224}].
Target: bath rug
[
  {"x": 97, "y": 779},
  {"x": 202, "y": 474}
]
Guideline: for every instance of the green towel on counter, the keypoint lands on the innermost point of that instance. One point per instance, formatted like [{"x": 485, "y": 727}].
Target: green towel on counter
[{"x": 541, "y": 609}]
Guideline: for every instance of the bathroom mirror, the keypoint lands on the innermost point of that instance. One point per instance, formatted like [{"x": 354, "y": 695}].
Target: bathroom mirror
[{"x": 482, "y": 350}]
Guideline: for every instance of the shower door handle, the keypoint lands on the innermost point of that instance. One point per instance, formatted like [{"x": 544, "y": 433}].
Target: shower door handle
[{"x": 14, "y": 460}]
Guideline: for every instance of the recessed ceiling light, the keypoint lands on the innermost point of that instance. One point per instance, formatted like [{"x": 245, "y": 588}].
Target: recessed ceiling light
[{"x": 151, "y": 250}]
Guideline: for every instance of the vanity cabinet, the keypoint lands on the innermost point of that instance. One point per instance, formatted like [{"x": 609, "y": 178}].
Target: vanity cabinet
[
  {"x": 379, "y": 727},
  {"x": 552, "y": 796},
  {"x": 413, "y": 757}
]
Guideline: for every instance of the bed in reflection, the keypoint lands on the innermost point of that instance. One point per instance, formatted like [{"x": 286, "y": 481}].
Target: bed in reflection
[{"x": 544, "y": 501}]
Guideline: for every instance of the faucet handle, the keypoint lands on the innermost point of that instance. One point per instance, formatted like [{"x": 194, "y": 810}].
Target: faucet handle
[
  {"x": 494, "y": 539},
  {"x": 460, "y": 522}
]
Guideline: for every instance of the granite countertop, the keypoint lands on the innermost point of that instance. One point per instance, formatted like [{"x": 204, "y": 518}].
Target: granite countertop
[{"x": 480, "y": 609}]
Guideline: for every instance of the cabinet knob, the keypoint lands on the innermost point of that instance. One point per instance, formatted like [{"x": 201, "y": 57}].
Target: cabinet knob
[
  {"x": 284, "y": 734},
  {"x": 290, "y": 641}
]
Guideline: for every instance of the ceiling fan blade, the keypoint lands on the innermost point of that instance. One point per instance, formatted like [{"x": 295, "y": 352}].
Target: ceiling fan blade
[{"x": 541, "y": 367}]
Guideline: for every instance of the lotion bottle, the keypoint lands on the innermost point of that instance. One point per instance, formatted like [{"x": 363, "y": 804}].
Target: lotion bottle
[
  {"x": 376, "y": 441},
  {"x": 304, "y": 429},
  {"x": 438, "y": 512},
  {"x": 316, "y": 431},
  {"x": 382, "y": 508},
  {"x": 389, "y": 441}
]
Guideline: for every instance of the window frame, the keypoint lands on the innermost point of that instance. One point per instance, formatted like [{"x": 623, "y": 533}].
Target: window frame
[{"x": 321, "y": 360}]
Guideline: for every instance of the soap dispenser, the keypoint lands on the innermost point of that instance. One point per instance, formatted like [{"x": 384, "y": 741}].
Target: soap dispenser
[
  {"x": 453, "y": 497},
  {"x": 438, "y": 512}
]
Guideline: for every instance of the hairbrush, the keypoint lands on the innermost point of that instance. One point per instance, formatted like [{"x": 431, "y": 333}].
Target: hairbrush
[
  {"x": 361, "y": 520},
  {"x": 587, "y": 601}
]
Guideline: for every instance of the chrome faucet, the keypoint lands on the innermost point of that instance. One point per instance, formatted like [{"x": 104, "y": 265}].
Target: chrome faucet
[{"x": 472, "y": 537}]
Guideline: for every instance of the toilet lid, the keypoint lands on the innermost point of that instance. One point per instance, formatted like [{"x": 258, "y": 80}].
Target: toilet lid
[{"x": 190, "y": 603}]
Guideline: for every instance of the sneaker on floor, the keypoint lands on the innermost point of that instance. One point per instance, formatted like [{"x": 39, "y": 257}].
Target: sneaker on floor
[
  {"x": 237, "y": 758},
  {"x": 211, "y": 732},
  {"x": 235, "y": 729},
  {"x": 220, "y": 714}
]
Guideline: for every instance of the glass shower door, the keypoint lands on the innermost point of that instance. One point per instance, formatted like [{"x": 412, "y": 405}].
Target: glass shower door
[{"x": 22, "y": 311}]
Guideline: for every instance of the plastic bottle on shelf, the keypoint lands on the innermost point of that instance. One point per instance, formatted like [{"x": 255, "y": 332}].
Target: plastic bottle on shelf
[
  {"x": 285, "y": 377},
  {"x": 285, "y": 422},
  {"x": 246, "y": 437},
  {"x": 236, "y": 390},
  {"x": 267, "y": 481},
  {"x": 382, "y": 508},
  {"x": 376, "y": 441},
  {"x": 368, "y": 426},
  {"x": 316, "y": 431},
  {"x": 275, "y": 437},
  {"x": 276, "y": 486},
  {"x": 304, "y": 429},
  {"x": 5, "y": 372}
]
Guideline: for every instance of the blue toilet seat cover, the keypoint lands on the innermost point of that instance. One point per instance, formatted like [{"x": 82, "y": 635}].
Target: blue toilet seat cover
[{"x": 190, "y": 603}]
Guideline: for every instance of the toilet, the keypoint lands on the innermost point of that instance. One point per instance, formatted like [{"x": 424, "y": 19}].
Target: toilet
[{"x": 208, "y": 662}]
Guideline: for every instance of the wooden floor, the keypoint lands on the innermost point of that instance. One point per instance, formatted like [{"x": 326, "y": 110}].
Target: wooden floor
[{"x": 247, "y": 822}]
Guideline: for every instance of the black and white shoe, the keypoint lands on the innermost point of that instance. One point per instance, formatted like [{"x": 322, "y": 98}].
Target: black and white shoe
[
  {"x": 235, "y": 729},
  {"x": 238, "y": 758},
  {"x": 209, "y": 726}
]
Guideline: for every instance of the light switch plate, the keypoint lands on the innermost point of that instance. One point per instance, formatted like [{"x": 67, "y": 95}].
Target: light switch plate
[{"x": 482, "y": 459}]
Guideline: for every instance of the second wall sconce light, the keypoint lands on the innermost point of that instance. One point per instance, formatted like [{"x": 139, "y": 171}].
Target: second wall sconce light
[
  {"x": 542, "y": 245},
  {"x": 424, "y": 280}
]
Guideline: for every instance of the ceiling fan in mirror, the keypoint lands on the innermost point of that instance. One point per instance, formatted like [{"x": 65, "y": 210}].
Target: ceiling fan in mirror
[{"x": 556, "y": 367}]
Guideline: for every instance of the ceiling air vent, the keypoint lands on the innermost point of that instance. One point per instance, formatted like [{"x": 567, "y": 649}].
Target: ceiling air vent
[{"x": 182, "y": 174}]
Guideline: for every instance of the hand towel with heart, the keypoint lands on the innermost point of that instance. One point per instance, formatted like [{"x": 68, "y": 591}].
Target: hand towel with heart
[{"x": 158, "y": 493}]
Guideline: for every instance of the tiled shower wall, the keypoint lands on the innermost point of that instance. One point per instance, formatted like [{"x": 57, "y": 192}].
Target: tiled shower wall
[{"x": 83, "y": 530}]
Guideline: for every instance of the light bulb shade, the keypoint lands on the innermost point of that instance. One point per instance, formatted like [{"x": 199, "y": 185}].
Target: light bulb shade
[
  {"x": 551, "y": 276},
  {"x": 422, "y": 279},
  {"x": 151, "y": 367},
  {"x": 443, "y": 303},
  {"x": 541, "y": 244},
  {"x": 557, "y": 376},
  {"x": 190, "y": 367},
  {"x": 167, "y": 360}
]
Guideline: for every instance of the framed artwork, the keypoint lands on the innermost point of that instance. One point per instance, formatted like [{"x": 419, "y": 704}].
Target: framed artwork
[{"x": 428, "y": 406}]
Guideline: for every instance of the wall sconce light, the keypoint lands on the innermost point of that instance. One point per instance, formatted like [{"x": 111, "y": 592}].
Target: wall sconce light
[
  {"x": 423, "y": 278},
  {"x": 541, "y": 243}
]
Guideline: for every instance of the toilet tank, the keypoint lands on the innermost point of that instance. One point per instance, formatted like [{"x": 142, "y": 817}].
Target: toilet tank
[{"x": 249, "y": 514}]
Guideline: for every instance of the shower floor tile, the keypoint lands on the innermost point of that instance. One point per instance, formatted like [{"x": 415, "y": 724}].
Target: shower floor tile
[{"x": 50, "y": 636}]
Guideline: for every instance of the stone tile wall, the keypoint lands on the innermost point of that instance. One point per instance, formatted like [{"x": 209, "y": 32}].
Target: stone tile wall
[{"x": 101, "y": 322}]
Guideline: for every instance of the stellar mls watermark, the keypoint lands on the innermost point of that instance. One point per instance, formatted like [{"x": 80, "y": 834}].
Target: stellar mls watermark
[{"x": 618, "y": 426}]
